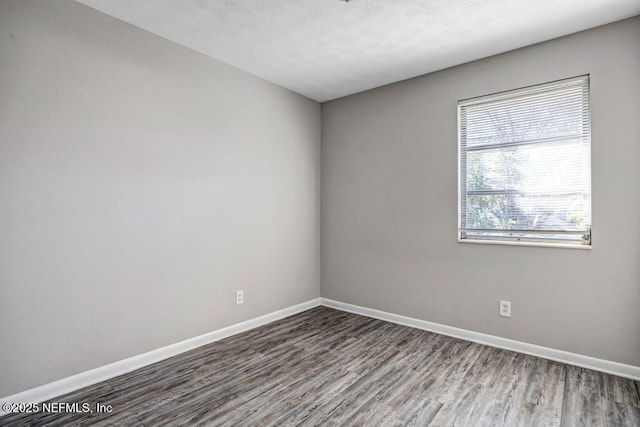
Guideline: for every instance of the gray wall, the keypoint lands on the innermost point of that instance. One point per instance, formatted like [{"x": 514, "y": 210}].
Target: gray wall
[
  {"x": 389, "y": 205},
  {"x": 141, "y": 183}
]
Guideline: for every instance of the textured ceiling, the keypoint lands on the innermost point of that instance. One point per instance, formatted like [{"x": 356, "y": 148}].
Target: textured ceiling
[{"x": 325, "y": 49}]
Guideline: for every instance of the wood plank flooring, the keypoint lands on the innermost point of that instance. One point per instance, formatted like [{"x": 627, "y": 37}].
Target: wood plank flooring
[{"x": 327, "y": 367}]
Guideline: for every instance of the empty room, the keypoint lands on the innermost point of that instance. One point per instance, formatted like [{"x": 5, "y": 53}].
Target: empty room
[{"x": 320, "y": 212}]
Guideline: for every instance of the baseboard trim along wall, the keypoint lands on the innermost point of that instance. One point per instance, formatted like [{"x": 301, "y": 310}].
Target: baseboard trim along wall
[
  {"x": 93, "y": 376},
  {"x": 606, "y": 366},
  {"x": 102, "y": 373}
]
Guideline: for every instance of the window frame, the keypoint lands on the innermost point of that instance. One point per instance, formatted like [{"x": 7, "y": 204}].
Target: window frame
[{"x": 515, "y": 240}]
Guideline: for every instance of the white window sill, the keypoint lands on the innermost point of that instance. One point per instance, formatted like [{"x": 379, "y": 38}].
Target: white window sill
[{"x": 538, "y": 244}]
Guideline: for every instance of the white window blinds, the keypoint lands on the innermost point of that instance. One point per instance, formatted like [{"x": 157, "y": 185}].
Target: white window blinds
[{"x": 525, "y": 167}]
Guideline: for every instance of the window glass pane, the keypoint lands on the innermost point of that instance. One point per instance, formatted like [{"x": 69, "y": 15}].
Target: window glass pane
[
  {"x": 535, "y": 212},
  {"x": 530, "y": 118},
  {"x": 553, "y": 167}
]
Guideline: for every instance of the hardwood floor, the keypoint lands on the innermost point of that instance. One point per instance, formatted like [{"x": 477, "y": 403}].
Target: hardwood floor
[{"x": 326, "y": 367}]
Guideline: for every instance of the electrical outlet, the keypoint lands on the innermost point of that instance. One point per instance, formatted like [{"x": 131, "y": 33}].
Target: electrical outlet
[
  {"x": 239, "y": 297},
  {"x": 505, "y": 308}
]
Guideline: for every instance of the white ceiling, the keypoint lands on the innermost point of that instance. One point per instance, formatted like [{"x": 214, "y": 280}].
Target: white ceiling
[{"x": 325, "y": 49}]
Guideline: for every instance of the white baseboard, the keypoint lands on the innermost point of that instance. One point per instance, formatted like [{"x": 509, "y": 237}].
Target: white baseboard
[
  {"x": 606, "y": 366},
  {"x": 102, "y": 373}
]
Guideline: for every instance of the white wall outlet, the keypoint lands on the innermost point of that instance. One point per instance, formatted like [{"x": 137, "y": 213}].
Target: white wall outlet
[
  {"x": 239, "y": 297},
  {"x": 505, "y": 308}
]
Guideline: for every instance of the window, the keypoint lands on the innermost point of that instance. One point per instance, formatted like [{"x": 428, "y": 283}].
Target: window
[{"x": 525, "y": 166}]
